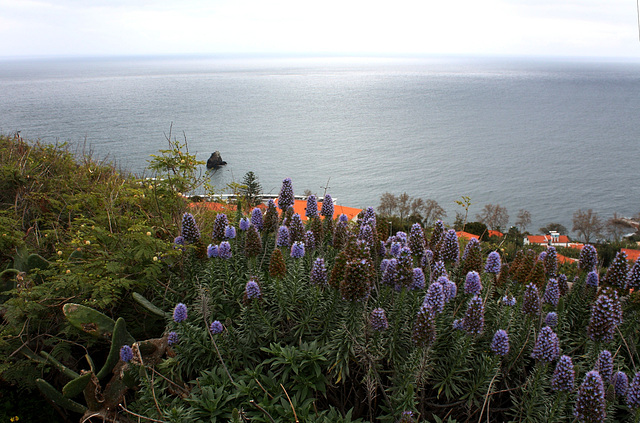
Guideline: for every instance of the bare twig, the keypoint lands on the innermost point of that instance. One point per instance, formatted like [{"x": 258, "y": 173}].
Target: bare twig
[
  {"x": 141, "y": 416},
  {"x": 252, "y": 402},
  {"x": 295, "y": 416}
]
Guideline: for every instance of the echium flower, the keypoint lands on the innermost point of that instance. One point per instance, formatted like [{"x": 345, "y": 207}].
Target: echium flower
[
  {"x": 256, "y": 218},
  {"x": 436, "y": 234},
  {"x": 285, "y": 199},
  {"x": 390, "y": 272},
  {"x": 369, "y": 217},
  {"x": 406, "y": 417},
  {"x": 450, "y": 248},
  {"x": 283, "y": 239},
  {"x": 494, "y": 263},
  {"x": 546, "y": 347},
  {"x": 216, "y": 327},
  {"x": 190, "y": 230},
  {"x": 588, "y": 258},
  {"x": 296, "y": 228},
  {"x": 416, "y": 239},
  {"x": 531, "y": 301},
  {"x": 309, "y": 240},
  {"x": 424, "y": 328},
  {"x": 212, "y": 251},
  {"x": 402, "y": 238},
  {"x": 449, "y": 287},
  {"x": 366, "y": 234},
  {"x": 297, "y": 250},
  {"x": 458, "y": 324},
  {"x": 311, "y": 210},
  {"x": 180, "y": 313},
  {"x": 343, "y": 218},
  {"x": 604, "y": 365},
  {"x": 318, "y": 273},
  {"x": 404, "y": 278},
  {"x": 542, "y": 256},
  {"x": 253, "y": 242},
  {"x": 327, "y": 207},
  {"x": 509, "y": 300},
  {"x": 474, "y": 316},
  {"x": 551, "y": 261},
  {"x": 551, "y": 319},
  {"x": 172, "y": 338},
  {"x": 435, "y": 297},
  {"x": 590, "y": 404},
  {"x": 592, "y": 279},
  {"x": 438, "y": 269},
  {"x": 633, "y": 278},
  {"x": 219, "y": 225},
  {"x": 270, "y": 221},
  {"x": 126, "y": 353},
  {"x": 564, "y": 375},
  {"x": 378, "y": 320},
  {"x": 179, "y": 243},
  {"x": 244, "y": 224},
  {"x": 340, "y": 235},
  {"x": 472, "y": 284},
  {"x": 427, "y": 259},
  {"x": 620, "y": 383},
  {"x": 605, "y": 316},
  {"x": 633, "y": 392},
  {"x": 277, "y": 266},
  {"x": 356, "y": 285},
  {"x": 252, "y": 290},
  {"x": 472, "y": 245},
  {"x": 563, "y": 284},
  {"x": 551, "y": 293},
  {"x": 230, "y": 232},
  {"x": 500, "y": 343},
  {"x": 617, "y": 272},
  {"x": 224, "y": 250},
  {"x": 395, "y": 248},
  {"x": 418, "y": 278}
]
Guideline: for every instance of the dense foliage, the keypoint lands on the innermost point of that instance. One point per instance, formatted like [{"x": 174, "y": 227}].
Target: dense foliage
[{"x": 128, "y": 304}]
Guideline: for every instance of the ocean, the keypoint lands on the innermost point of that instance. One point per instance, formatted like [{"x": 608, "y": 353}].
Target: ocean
[{"x": 546, "y": 135}]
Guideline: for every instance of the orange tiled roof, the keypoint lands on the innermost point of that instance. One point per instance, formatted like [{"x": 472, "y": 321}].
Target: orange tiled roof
[
  {"x": 213, "y": 206},
  {"x": 544, "y": 239},
  {"x": 300, "y": 206},
  {"x": 491, "y": 232},
  {"x": 462, "y": 234},
  {"x": 564, "y": 259},
  {"x": 632, "y": 255}
]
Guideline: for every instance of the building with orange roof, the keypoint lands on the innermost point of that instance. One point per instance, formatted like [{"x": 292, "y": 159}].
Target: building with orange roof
[
  {"x": 467, "y": 235},
  {"x": 564, "y": 259},
  {"x": 554, "y": 240},
  {"x": 498, "y": 234},
  {"x": 632, "y": 255}
]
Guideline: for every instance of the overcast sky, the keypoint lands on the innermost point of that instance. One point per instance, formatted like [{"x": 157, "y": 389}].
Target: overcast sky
[{"x": 372, "y": 27}]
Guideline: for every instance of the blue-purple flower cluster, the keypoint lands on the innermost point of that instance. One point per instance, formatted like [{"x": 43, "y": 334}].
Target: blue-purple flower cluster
[
  {"x": 286, "y": 199},
  {"x": 472, "y": 284},
  {"x": 126, "y": 353},
  {"x": 604, "y": 365},
  {"x": 450, "y": 251},
  {"x": 494, "y": 263},
  {"x": 283, "y": 239},
  {"x": 219, "y": 226},
  {"x": 590, "y": 404},
  {"x": 378, "y": 320},
  {"x": 606, "y": 314},
  {"x": 190, "y": 230},
  {"x": 531, "y": 300},
  {"x": 500, "y": 343},
  {"x": 588, "y": 258},
  {"x": 297, "y": 250},
  {"x": 327, "y": 207},
  {"x": 633, "y": 392},
  {"x": 256, "y": 218},
  {"x": 547, "y": 347},
  {"x": 551, "y": 319},
  {"x": 474, "y": 316},
  {"x": 180, "y": 313},
  {"x": 172, "y": 338},
  {"x": 551, "y": 293},
  {"x": 311, "y": 210},
  {"x": 216, "y": 327},
  {"x": 435, "y": 299},
  {"x": 620, "y": 383},
  {"x": 564, "y": 375},
  {"x": 252, "y": 290}
]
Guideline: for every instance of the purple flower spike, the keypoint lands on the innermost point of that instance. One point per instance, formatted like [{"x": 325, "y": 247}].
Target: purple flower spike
[
  {"x": 327, "y": 207},
  {"x": 390, "y": 272},
  {"x": 620, "y": 383},
  {"x": 606, "y": 314},
  {"x": 297, "y": 250},
  {"x": 592, "y": 279},
  {"x": 588, "y": 258},
  {"x": 216, "y": 327},
  {"x": 590, "y": 404},
  {"x": 633, "y": 278},
  {"x": 172, "y": 338},
  {"x": 509, "y": 300},
  {"x": 564, "y": 375},
  {"x": 252, "y": 290},
  {"x": 418, "y": 278},
  {"x": 494, "y": 263},
  {"x": 180, "y": 313},
  {"x": 500, "y": 343},
  {"x": 244, "y": 224},
  {"x": 546, "y": 347},
  {"x": 378, "y": 320},
  {"x": 219, "y": 226},
  {"x": 230, "y": 232},
  {"x": 319, "y": 273},
  {"x": 310, "y": 240},
  {"x": 286, "y": 199},
  {"x": 551, "y": 319},
  {"x": 283, "y": 239},
  {"x": 451, "y": 248},
  {"x": 179, "y": 243},
  {"x": 633, "y": 393},
  {"x": 435, "y": 297},
  {"x": 551, "y": 293},
  {"x": 212, "y": 251},
  {"x": 474, "y": 317},
  {"x": 312, "y": 207},
  {"x": 604, "y": 365},
  {"x": 472, "y": 284},
  {"x": 343, "y": 218},
  {"x": 256, "y": 218},
  {"x": 224, "y": 250},
  {"x": 126, "y": 354},
  {"x": 531, "y": 301},
  {"x": 190, "y": 230}
]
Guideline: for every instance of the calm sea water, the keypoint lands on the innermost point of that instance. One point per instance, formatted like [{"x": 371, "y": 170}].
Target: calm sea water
[{"x": 551, "y": 137}]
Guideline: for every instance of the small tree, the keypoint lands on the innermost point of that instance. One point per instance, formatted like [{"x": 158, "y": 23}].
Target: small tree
[
  {"x": 432, "y": 212},
  {"x": 556, "y": 227},
  {"x": 404, "y": 206},
  {"x": 616, "y": 228},
  {"x": 587, "y": 224},
  {"x": 388, "y": 204},
  {"x": 524, "y": 219},
  {"x": 494, "y": 216},
  {"x": 251, "y": 189}
]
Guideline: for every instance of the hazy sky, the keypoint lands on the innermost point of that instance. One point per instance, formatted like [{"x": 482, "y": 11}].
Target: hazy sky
[{"x": 371, "y": 27}]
